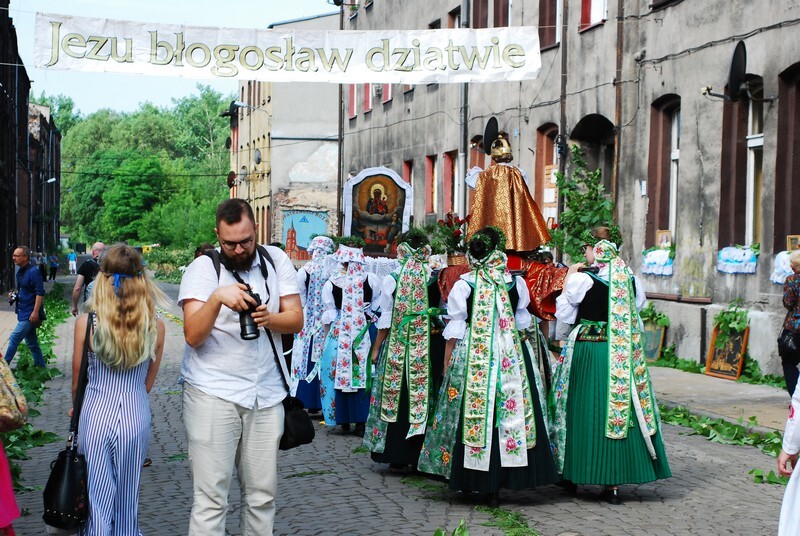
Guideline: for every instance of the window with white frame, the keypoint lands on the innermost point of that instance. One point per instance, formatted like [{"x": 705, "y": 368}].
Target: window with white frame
[
  {"x": 674, "y": 168},
  {"x": 593, "y": 12},
  {"x": 755, "y": 155}
]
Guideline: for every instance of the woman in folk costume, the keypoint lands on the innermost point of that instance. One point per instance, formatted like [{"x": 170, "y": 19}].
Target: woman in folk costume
[
  {"x": 349, "y": 299},
  {"x": 605, "y": 423},
  {"x": 489, "y": 429},
  {"x": 787, "y": 466},
  {"x": 307, "y": 348},
  {"x": 409, "y": 368}
]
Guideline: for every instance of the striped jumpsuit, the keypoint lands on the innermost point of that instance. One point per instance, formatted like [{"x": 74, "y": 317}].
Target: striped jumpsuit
[{"x": 114, "y": 434}]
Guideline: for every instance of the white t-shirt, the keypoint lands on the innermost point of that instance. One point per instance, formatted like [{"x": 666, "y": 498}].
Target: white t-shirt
[{"x": 225, "y": 366}]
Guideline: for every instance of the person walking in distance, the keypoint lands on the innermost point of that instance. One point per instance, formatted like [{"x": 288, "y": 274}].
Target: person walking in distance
[
  {"x": 233, "y": 389},
  {"x": 29, "y": 306},
  {"x": 86, "y": 274}
]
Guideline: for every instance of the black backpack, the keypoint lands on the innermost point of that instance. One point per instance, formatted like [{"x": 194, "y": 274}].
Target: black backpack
[{"x": 287, "y": 339}]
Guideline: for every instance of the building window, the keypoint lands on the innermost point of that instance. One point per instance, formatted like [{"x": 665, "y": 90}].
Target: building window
[
  {"x": 480, "y": 14},
  {"x": 755, "y": 156},
  {"x": 454, "y": 18},
  {"x": 593, "y": 12},
  {"x": 544, "y": 188},
  {"x": 431, "y": 190},
  {"x": 663, "y": 167},
  {"x": 408, "y": 171},
  {"x": 386, "y": 93},
  {"x": 787, "y": 161},
  {"x": 367, "y": 98},
  {"x": 435, "y": 25},
  {"x": 741, "y": 168},
  {"x": 450, "y": 162},
  {"x": 352, "y": 111},
  {"x": 500, "y": 13},
  {"x": 549, "y": 27}
]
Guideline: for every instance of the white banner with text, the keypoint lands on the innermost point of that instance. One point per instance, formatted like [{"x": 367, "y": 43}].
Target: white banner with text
[{"x": 337, "y": 56}]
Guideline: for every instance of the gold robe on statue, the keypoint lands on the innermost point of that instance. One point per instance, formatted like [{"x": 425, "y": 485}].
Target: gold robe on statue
[{"x": 502, "y": 199}]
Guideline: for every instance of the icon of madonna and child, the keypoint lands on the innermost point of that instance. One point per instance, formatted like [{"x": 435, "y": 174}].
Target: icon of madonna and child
[{"x": 378, "y": 203}]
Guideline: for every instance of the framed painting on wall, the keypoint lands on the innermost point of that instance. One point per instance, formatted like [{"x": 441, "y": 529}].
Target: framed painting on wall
[{"x": 792, "y": 242}]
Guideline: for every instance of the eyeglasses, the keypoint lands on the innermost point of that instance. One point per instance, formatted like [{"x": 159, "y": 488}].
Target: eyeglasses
[{"x": 231, "y": 246}]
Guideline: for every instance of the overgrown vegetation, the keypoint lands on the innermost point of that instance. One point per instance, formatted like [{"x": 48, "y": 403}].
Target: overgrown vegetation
[
  {"x": 670, "y": 359},
  {"x": 586, "y": 205},
  {"x": 166, "y": 262},
  {"x": 32, "y": 381},
  {"x": 511, "y": 523}
]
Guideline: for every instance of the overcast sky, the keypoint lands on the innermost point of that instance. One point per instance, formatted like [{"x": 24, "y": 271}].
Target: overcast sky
[{"x": 93, "y": 91}]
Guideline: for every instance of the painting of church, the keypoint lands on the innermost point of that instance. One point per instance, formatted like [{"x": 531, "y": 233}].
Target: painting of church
[{"x": 298, "y": 229}]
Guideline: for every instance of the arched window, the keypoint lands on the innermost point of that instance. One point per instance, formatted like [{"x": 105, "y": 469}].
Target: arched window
[{"x": 787, "y": 165}]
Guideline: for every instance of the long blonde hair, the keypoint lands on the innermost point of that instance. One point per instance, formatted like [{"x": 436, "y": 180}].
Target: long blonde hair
[{"x": 124, "y": 300}]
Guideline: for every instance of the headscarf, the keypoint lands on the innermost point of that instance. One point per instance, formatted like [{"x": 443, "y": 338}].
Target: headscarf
[
  {"x": 352, "y": 355},
  {"x": 627, "y": 367},
  {"x": 407, "y": 349},
  {"x": 319, "y": 270}
]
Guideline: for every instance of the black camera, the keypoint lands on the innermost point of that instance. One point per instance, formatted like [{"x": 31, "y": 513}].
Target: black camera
[
  {"x": 12, "y": 298},
  {"x": 248, "y": 326}
]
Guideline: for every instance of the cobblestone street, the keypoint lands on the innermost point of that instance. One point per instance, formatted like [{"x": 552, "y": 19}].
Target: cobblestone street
[{"x": 327, "y": 488}]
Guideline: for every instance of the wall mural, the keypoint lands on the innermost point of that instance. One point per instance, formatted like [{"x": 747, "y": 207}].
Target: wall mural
[{"x": 298, "y": 228}]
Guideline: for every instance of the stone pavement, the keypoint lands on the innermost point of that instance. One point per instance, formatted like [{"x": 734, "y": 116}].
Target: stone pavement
[{"x": 328, "y": 488}]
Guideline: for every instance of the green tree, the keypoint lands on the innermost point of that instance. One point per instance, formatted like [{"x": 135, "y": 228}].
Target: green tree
[
  {"x": 586, "y": 206},
  {"x": 134, "y": 190}
]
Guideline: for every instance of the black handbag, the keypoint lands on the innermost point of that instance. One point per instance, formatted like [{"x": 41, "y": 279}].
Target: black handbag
[
  {"x": 66, "y": 495},
  {"x": 297, "y": 426},
  {"x": 787, "y": 342}
]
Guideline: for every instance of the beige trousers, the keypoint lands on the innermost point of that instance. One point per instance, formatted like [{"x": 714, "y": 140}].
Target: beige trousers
[{"x": 222, "y": 435}]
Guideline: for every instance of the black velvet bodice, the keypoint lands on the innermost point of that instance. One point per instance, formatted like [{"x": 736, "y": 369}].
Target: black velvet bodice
[
  {"x": 594, "y": 305},
  {"x": 513, "y": 296},
  {"x": 337, "y": 293}
]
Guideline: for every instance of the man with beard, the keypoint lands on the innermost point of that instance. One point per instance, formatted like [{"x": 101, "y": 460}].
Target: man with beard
[{"x": 233, "y": 388}]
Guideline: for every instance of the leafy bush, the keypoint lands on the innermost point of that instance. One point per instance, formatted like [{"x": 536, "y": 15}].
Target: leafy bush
[
  {"x": 166, "y": 263},
  {"x": 650, "y": 314},
  {"x": 731, "y": 320}
]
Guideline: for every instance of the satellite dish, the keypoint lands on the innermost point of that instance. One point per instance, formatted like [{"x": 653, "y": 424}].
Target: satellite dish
[
  {"x": 257, "y": 156},
  {"x": 737, "y": 84},
  {"x": 228, "y": 142},
  {"x": 231, "y": 179},
  {"x": 489, "y": 134}
]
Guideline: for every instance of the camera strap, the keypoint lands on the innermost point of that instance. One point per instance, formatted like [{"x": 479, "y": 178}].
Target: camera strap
[{"x": 281, "y": 366}]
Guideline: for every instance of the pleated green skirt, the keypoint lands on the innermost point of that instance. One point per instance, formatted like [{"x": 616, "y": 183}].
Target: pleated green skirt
[{"x": 590, "y": 457}]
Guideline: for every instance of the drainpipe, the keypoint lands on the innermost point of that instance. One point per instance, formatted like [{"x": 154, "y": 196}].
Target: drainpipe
[
  {"x": 561, "y": 140},
  {"x": 460, "y": 192},
  {"x": 340, "y": 152},
  {"x": 618, "y": 101}
]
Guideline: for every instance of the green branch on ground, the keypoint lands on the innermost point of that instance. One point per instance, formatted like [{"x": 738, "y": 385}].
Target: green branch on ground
[
  {"x": 670, "y": 359},
  {"x": 512, "y": 523},
  {"x": 460, "y": 530},
  {"x": 722, "y": 431},
  {"x": 31, "y": 380}
]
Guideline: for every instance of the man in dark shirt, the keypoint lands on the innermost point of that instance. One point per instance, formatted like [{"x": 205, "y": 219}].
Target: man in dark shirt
[
  {"x": 29, "y": 307},
  {"x": 86, "y": 274}
]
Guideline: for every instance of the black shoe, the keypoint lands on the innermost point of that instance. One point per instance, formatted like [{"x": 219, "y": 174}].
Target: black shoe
[
  {"x": 147, "y": 462},
  {"x": 360, "y": 429},
  {"x": 346, "y": 428},
  {"x": 569, "y": 486},
  {"x": 611, "y": 496}
]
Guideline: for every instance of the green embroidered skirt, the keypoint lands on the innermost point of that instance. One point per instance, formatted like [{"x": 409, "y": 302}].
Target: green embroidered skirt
[
  {"x": 590, "y": 457},
  {"x": 541, "y": 469}
]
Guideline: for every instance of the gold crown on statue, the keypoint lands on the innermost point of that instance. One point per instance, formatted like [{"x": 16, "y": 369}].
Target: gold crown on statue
[{"x": 501, "y": 149}]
